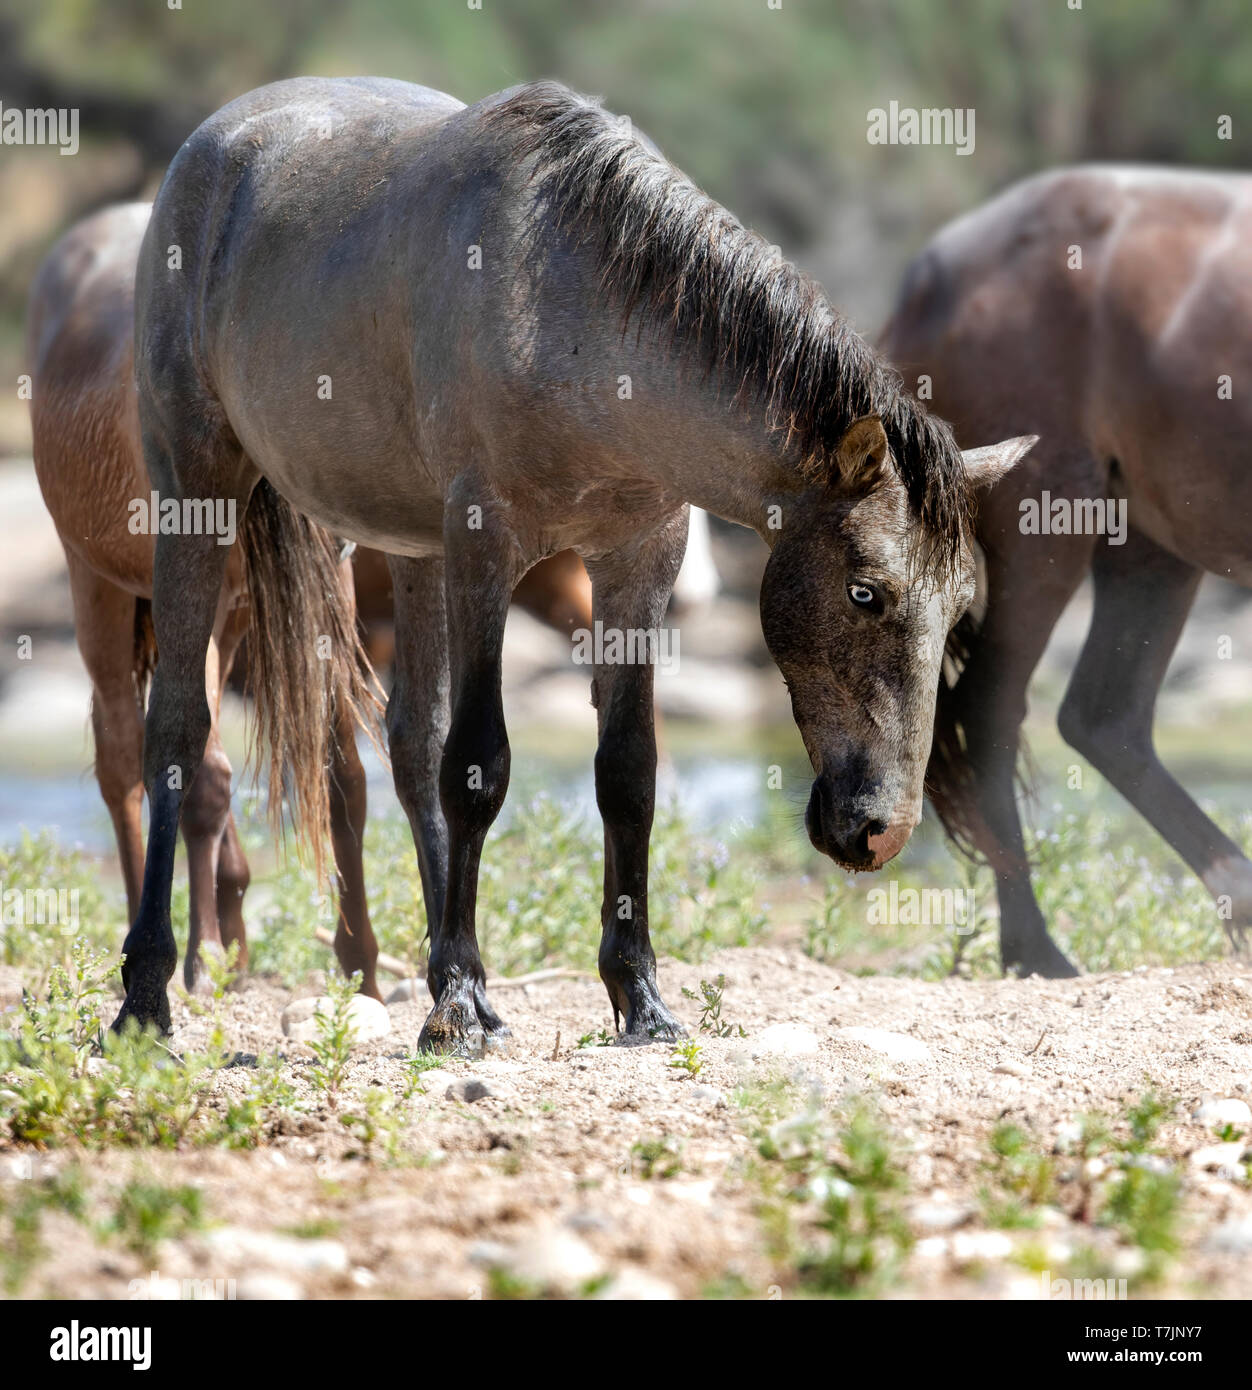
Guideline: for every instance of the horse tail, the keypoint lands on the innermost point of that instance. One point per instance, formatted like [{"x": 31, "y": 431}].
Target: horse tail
[{"x": 305, "y": 661}]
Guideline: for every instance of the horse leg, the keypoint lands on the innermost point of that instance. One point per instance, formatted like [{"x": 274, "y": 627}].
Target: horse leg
[
  {"x": 233, "y": 874},
  {"x": 104, "y": 624},
  {"x": 480, "y": 569},
  {"x": 355, "y": 945},
  {"x": 417, "y": 721},
  {"x": 187, "y": 595},
  {"x": 631, "y": 590},
  {"x": 233, "y": 878},
  {"x": 1025, "y": 600},
  {"x": 1143, "y": 595},
  {"x": 204, "y": 816}
]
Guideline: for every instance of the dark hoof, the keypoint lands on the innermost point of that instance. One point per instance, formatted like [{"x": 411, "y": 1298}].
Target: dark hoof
[
  {"x": 452, "y": 1027},
  {"x": 1042, "y": 958},
  {"x": 143, "y": 1010},
  {"x": 647, "y": 1018}
]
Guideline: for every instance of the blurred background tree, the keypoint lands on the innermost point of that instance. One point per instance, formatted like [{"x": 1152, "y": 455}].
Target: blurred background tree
[{"x": 765, "y": 108}]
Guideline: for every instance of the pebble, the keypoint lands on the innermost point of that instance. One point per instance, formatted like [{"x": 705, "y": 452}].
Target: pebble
[
  {"x": 1018, "y": 1069},
  {"x": 1232, "y": 1237},
  {"x": 899, "y": 1047},
  {"x": 436, "y": 1081},
  {"x": 1216, "y": 1112},
  {"x": 1218, "y": 1155},
  {"x": 370, "y": 1018},
  {"x": 470, "y": 1089},
  {"x": 552, "y": 1259},
  {"x": 971, "y": 1246},
  {"x": 637, "y": 1285},
  {"x": 708, "y": 1096},
  {"x": 937, "y": 1216},
  {"x": 239, "y": 1246},
  {"x": 268, "y": 1288},
  {"x": 407, "y": 990}
]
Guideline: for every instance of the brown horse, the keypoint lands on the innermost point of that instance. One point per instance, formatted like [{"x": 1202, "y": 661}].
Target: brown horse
[
  {"x": 1108, "y": 310},
  {"x": 472, "y": 337},
  {"x": 89, "y": 462}
]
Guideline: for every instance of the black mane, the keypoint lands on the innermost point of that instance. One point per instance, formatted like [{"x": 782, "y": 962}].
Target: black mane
[{"x": 682, "y": 262}]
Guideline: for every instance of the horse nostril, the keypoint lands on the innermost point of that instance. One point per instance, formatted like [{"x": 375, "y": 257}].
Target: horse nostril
[{"x": 869, "y": 830}]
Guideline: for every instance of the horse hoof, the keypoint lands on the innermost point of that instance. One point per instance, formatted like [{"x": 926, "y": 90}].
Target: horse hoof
[
  {"x": 647, "y": 1018},
  {"x": 1045, "y": 960},
  {"x": 452, "y": 1027},
  {"x": 143, "y": 1012}
]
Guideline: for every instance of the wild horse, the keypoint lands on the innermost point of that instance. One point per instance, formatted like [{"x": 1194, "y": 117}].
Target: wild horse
[
  {"x": 1105, "y": 309},
  {"x": 471, "y": 337},
  {"x": 89, "y": 462}
]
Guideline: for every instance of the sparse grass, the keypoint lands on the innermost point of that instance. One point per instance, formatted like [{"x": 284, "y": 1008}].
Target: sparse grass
[
  {"x": 148, "y": 1212},
  {"x": 332, "y": 1046},
  {"x": 831, "y": 1187},
  {"x": 658, "y": 1157},
  {"x": 64, "y": 1080},
  {"x": 710, "y": 1000},
  {"x": 1115, "y": 897},
  {"x": 687, "y": 1057}
]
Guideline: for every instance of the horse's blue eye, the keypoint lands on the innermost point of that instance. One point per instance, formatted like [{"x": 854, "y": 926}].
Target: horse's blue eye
[{"x": 861, "y": 594}]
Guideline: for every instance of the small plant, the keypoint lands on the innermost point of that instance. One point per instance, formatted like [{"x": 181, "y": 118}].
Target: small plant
[
  {"x": 377, "y": 1121},
  {"x": 332, "y": 1047},
  {"x": 830, "y": 1190},
  {"x": 603, "y": 1038},
  {"x": 657, "y": 1157},
  {"x": 687, "y": 1058},
  {"x": 1020, "y": 1179},
  {"x": 710, "y": 1001},
  {"x": 148, "y": 1212}
]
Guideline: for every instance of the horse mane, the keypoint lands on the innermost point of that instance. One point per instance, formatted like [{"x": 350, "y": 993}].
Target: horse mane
[{"x": 680, "y": 261}]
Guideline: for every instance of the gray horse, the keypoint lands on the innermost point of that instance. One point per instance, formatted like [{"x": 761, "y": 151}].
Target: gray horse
[{"x": 471, "y": 337}]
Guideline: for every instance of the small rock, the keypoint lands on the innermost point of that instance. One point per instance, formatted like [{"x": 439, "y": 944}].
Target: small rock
[
  {"x": 1150, "y": 1163},
  {"x": 899, "y": 1047},
  {"x": 637, "y": 1285},
  {"x": 1010, "y": 1068},
  {"x": 708, "y": 1096},
  {"x": 1218, "y": 1155},
  {"x": 370, "y": 1019},
  {"x": 264, "y": 1288},
  {"x": 1068, "y": 1133},
  {"x": 1232, "y": 1237},
  {"x": 469, "y": 1089},
  {"x": 407, "y": 990},
  {"x": 969, "y": 1247},
  {"x": 237, "y": 1245},
  {"x": 487, "y": 1253},
  {"x": 784, "y": 1040},
  {"x": 364, "y": 1278},
  {"x": 1215, "y": 1113},
  {"x": 552, "y": 1259},
  {"x": 937, "y": 1216},
  {"x": 436, "y": 1081}
]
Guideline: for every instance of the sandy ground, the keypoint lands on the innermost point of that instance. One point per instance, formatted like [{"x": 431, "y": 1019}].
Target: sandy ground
[{"x": 538, "y": 1178}]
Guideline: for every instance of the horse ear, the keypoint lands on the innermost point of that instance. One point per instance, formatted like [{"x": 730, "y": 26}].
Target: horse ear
[
  {"x": 986, "y": 466},
  {"x": 862, "y": 451}
]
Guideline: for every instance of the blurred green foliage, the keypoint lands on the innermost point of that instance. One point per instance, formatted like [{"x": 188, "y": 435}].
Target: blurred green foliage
[{"x": 766, "y": 107}]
